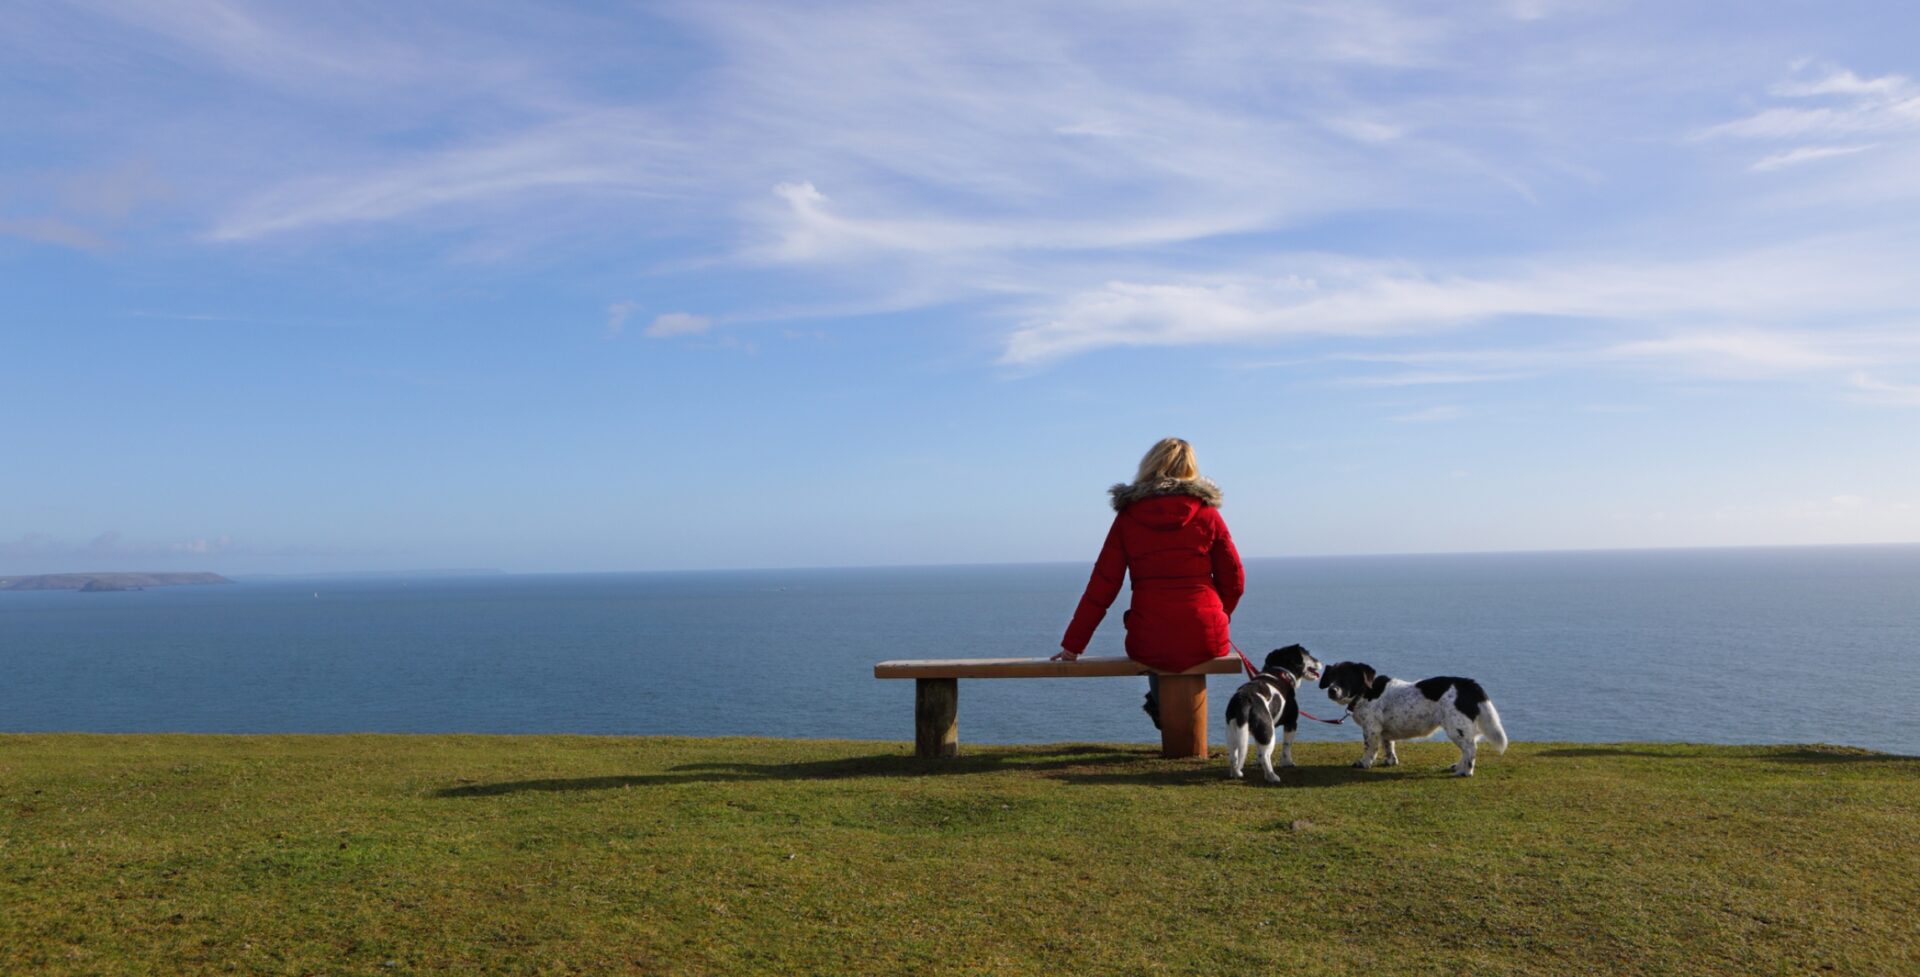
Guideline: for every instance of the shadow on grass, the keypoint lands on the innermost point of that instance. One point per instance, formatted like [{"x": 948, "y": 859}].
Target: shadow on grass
[
  {"x": 1816, "y": 753},
  {"x": 1833, "y": 754},
  {"x": 1610, "y": 751},
  {"x": 1339, "y": 775},
  {"x": 1070, "y": 756}
]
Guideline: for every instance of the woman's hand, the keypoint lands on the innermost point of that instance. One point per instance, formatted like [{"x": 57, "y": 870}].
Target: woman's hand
[{"x": 1065, "y": 656}]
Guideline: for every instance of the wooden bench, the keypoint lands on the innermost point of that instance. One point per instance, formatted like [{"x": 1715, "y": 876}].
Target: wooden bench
[{"x": 936, "y": 698}]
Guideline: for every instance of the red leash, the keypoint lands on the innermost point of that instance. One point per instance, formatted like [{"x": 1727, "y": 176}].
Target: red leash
[{"x": 1253, "y": 673}]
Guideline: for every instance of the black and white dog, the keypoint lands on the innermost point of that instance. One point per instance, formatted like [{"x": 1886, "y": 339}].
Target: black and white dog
[
  {"x": 1388, "y": 709},
  {"x": 1269, "y": 700}
]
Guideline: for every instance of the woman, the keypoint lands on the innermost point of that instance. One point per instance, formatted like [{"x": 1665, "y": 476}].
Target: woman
[{"x": 1170, "y": 538}]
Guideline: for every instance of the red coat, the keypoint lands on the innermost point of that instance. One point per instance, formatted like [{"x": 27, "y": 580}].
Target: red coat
[{"x": 1169, "y": 537}]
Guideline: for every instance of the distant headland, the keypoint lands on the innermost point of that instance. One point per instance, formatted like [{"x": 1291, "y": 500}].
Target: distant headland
[{"x": 95, "y": 582}]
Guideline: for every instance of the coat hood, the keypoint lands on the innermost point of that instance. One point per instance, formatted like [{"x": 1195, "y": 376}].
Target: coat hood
[
  {"x": 1200, "y": 488},
  {"x": 1165, "y": 504}
]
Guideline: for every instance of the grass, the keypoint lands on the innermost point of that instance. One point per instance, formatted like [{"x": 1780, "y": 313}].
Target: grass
[{"x": 564, "y": 855}]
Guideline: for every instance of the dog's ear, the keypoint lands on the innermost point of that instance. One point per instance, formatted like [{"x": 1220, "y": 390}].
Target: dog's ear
[
  {"x": 1368, "y": 677},
  {"x": 1296, "y": 659},
  {"x": 1287, "y": 658}
]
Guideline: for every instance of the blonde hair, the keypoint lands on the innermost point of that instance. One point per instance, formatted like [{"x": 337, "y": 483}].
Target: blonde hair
[{"x": 1171, "y": 458}]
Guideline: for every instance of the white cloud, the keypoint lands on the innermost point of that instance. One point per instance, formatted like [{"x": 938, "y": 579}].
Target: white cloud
[
  {"x": 111, "y": 193},
  {"x": 51, "y": 230},
  {"x": 1815, "y": 281},
  {"x": 110, "y": 546},
  {"x": 1366, "y": 130},
  {"x": 1872, "y": 390},
  {"x": 1416, "y": 378},
  {"x": 932, "y": 130},
  {"x": 1842, "y": 518},
  {"x": 617, "y": 153},
  {"x": 1074, "y": 174},
  {"x": 327, "y": 52},
  {"x": 617, "y": 315},
  {"x": 202, "y": 546},
  {"x": 1444, "y": 412},
  {"x": 1805, "y": 154},
  {"x": 1890, "y": 104},
  {"x": 811, "y": 228},
  {"x": 677, "y": 324},
  {"x": 1797, "y": 123},
  {"x": 1736, "y": 353},
  {"x": 1840, "y": 81}
]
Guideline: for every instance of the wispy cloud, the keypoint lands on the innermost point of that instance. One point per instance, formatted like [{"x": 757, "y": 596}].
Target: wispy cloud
[
  {"x": 1429, "y": 415},
  {"x": 603, "y": 153},
  {"x": 1873, "y": 390},
  {"x": 1825, "y": 279},
  {"x": 52, "y": 230},
  {"x": 1161, "y": 176},
  {"x": 111, "y": 547},
  {"x": 1848, "y": 106},
  {"x": 617, "y": 315},
  {"x": 346, "y": 52},
  {"x": 812, "y": 229},
  {"x": 1744, "y": 353},
  {"x": 81, "y": 208},
  {"x": 678, "y": 324},
  {"x": 1840, "y": 81},
  {"x": 1421, "y": 378},
  {"x": 890, "y": 128},
  {"x": 1806, "y": 154}
]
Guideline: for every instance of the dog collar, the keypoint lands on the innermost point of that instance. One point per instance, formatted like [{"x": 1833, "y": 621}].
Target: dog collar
[{"x": 1282, "y": 681}]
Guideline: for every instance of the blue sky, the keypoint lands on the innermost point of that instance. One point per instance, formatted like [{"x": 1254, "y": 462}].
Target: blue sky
[{"x": 292, "y": 287}]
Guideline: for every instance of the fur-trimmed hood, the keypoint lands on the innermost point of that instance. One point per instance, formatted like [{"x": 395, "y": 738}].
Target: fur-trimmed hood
[{"x": 1200, "y": 488}]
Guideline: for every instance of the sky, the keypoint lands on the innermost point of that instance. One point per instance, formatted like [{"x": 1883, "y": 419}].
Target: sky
[{"x": 292, "y": 287}]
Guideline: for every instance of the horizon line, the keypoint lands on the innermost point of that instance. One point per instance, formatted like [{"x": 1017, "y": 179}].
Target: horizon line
[
  {"x": 1036, "y": 563},
  {"x": 500, "y": 571}
]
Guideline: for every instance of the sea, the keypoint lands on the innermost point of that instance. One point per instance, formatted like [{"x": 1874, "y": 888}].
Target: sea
[{"x": 1786, "y": 645}]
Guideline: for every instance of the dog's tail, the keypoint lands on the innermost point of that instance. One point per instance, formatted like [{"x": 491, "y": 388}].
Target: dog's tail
[{"x": 1489, "y": 724}]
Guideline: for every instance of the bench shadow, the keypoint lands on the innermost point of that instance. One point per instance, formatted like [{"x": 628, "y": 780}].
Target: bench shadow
[
  {"x": 1605, "y": 751},
  {"x": 1066, "y": 756},
  {"x": 1814, "y": 753},
  {"x": 1834, "y": 754},
  {"x": 1215, "y": 771}
]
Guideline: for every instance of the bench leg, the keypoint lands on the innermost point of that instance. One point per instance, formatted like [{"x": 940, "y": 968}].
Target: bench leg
[
  {"x": 1183, "y": 716},
  {"x": 936, "y": 717}
]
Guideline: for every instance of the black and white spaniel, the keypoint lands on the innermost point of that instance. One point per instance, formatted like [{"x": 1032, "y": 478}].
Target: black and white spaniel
[
  {"x": 1388, "y": 709},
  {"x": 1271, "y": 699}
]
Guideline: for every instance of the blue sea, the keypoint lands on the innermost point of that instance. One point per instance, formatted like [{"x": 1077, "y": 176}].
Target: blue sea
[{"x": 1721, "y": 646}]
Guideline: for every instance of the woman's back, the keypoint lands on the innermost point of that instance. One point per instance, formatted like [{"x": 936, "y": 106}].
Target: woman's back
[{"x": 1168, "y": 536}]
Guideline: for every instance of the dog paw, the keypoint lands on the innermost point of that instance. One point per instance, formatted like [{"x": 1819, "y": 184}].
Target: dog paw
[
  {"x": 1361, "y": 764},
  {"x": 1233, "y": 775},
  {"x": 1392, "y": 761},
  {"x": 1273, "y": 778},
  {"x": 1461, "y": 773},
  {"x": 1286, "y": 763}
]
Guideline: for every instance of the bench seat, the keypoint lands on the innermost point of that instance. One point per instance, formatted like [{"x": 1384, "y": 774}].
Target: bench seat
[
  {"x": 1183, "y": 695},
  {"x": 1087, "y": 666}
]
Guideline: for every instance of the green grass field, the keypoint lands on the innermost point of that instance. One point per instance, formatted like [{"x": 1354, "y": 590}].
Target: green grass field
[{"x": 562, "y": 855}]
